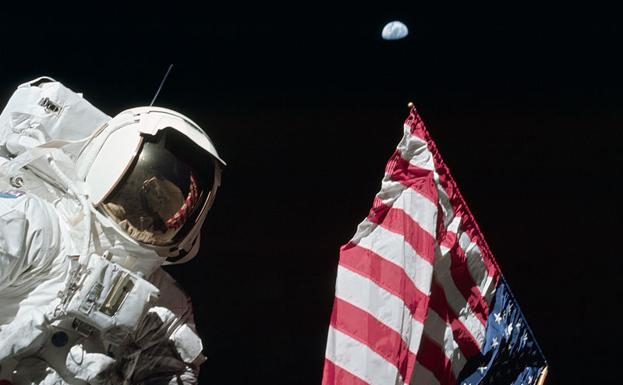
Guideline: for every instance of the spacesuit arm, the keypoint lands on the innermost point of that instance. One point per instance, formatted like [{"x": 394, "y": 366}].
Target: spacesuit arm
[
  {"x": 170, "y": 349},
  {"x": 167, "y": 347},
  {"x": 29, "y": 248},
  {"x": 30, "y": 245},
  {"x": 25, "y": 239}
]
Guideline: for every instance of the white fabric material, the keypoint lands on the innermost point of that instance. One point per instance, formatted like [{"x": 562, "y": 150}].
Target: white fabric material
[
  {"x": 440, "y": 332},
  {"x": 32, "y": 256},
  {"x": 41, "y": 115},
  {"x": 456, "y": 301},
  {"x": 88, "y": 366},
  {"x": 26, "y": 336},
  {"x": 26, "y": 109},
  {"x": 187, "y": 343},
  {"x": 381, "y": 304},
  {"x": 360, "y": 360},
  {"x": 423, "y": 376},
  {"x": 384, "y": 243}
]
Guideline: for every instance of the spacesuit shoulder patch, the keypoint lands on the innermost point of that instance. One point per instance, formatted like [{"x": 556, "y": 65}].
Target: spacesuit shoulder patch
[{"x": 11, "y": 194}]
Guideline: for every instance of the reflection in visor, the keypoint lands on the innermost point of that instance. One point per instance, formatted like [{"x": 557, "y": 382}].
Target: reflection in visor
[
  {"x": 177, "y": 220},
  {"x": 162, "y": 195}
]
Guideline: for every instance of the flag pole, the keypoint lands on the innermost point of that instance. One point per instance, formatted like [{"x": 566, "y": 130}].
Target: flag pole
[{"x": 542, "y": 376}]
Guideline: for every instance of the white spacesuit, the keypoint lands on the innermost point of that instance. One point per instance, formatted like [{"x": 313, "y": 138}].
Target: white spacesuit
[{"x": 90, "y": 208}]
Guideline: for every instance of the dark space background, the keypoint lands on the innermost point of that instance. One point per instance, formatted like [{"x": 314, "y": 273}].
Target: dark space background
[{"x": 306, "y": 102}]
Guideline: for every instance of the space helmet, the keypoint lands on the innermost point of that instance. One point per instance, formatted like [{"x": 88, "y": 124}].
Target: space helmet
[{"x": 155, "y": 174}]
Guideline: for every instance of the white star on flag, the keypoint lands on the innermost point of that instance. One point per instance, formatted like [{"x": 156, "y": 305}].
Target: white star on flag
[
  {"x": 495, "y": 343},
  {"x": 509, "y": 330},
  {"x": 498, "y": 317},
  {"x": 524, "y": 337}
]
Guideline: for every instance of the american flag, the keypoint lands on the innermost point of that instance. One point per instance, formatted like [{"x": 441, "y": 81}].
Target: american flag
[{"x": 419, "y": 298}]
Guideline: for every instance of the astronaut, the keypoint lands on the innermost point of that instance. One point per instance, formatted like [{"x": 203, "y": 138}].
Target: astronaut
[{"x": 91, "y": 207}]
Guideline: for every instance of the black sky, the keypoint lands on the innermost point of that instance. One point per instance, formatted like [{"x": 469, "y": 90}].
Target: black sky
[{"x": 306, "y": 104}]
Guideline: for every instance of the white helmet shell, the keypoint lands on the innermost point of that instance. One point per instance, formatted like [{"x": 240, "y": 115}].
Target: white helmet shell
[{"x": 111, "y": 151}]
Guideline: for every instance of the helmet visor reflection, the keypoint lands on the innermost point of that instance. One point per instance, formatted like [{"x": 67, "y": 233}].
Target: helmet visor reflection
[{"x": 163, "y": 192}]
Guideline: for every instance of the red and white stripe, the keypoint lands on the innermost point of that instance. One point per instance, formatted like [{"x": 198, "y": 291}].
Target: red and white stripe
[{"x": 415, "y": 283}]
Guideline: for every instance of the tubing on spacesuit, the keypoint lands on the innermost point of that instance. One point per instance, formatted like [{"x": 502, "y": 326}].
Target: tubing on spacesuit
[{"x": 81, "y": 299}]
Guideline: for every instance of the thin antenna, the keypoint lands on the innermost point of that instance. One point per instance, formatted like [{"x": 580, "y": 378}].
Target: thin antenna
[{"x": 161, "y": 84}]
